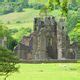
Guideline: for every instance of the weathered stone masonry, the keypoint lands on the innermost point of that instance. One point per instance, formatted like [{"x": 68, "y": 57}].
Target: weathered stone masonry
[{"x": 49, "y": 40}]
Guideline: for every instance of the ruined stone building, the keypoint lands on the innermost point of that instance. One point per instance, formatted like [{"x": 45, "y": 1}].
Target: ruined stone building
[
  {"x": 48, "y": 41},
  {"x": 22, "y": 49}
]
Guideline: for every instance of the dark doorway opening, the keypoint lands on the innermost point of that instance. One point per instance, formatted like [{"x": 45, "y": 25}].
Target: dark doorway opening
[{"x": 52, "y": 53}]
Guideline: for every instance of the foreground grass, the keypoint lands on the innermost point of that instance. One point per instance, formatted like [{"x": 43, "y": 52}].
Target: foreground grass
[{"x": 64, "y": 71}]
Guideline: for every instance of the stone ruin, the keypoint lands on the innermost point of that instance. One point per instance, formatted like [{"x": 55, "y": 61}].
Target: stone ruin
[
  {"x": 48, "y": 41},
  {"x": 22, "y": 49}
]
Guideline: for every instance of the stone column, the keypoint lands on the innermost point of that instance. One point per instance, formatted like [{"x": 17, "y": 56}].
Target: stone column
[
  {"x": 61, "y": 38},
  {"x": 35, "y": 24},
  {"x": 39, "y": 41},
  {"x": 54, "y": 36},
  {"x": 34, "y": 48},
  {"x": 40, "y": 53},
  {"x": 42, "y": 43},
  {"x": 35, "y": 39}
]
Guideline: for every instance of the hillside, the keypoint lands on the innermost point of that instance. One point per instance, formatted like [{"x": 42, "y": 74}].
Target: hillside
[
  {"x": 35, "y": 1},
  {"x": 19, "y": 20},
  {"x": 26, "y": 16}
]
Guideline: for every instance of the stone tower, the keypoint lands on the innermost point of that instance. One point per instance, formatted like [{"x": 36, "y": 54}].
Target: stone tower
[
  {"x": 62, "y": 38},
  {"x": 45, "y": 39},
  {"x": 39, "y": 40},
  {"x": 50, "y": 39}
]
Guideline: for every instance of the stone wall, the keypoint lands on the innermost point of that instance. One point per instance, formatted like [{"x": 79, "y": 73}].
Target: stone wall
[
  {"x": 49, "y": 40},
  {"x": 45, "y": 39}
]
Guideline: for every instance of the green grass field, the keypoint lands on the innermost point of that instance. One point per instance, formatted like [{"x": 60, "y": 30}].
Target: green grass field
[
  {"x": 27, "y": 15},
  {"x": 53, "y": 71},
  {"x": 19, "y": 18},
  {"x": 36, "y": 1}
]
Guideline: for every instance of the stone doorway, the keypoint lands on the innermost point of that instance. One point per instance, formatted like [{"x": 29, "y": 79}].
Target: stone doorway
[
  {"x": 52, "y": 54},
  {"x": 51, "y": 47}
]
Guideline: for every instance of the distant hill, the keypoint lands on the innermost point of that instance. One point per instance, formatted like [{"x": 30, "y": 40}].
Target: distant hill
[
  {"x": 36, "y": 1},
  {"x": 9, "y": 6},
  {"x": 19, "y": 17},
  {"x": 19, "y": 20}
]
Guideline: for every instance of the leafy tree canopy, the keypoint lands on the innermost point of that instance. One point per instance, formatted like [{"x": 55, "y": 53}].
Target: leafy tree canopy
[{"x": 8, "y": 62}]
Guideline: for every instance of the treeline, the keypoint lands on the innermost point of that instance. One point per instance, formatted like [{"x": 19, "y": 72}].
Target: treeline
[{"x": 8, "y": 6}]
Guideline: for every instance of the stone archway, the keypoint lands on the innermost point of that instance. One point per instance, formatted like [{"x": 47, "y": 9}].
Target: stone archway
[{"x": 51, "y": 49}]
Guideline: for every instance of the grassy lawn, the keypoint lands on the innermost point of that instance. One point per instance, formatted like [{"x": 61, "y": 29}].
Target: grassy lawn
[{"x": 56, "y": 71}]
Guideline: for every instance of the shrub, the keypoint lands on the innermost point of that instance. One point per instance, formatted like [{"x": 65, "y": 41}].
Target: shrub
[
  {"x": 31, "y": 5},
  {"x": 72, "y": 7},
  {"x": 18, "y": 21},
  {"x": 8, "y": 62},
  {"x": 28, "y": 30},
  {"x": 18, "y": 7},
  {"x": 38, "y": 6}
]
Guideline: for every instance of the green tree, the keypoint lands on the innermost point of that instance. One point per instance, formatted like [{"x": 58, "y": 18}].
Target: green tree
[
  {"x": 51, "y": 5},
  {"x": 44, "y": 11},
  {"x": 8, "y": 63},
  {"x": 3, "y": 30},
  {"x": 25, "y": 3},
  {"x": 61, "y": 4},
  {"x": 64, "y": 8},
  {"x": 73, "y": 4},
  {"x": 19, "y": 7},
  {"x": 1, "y": 0}
]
